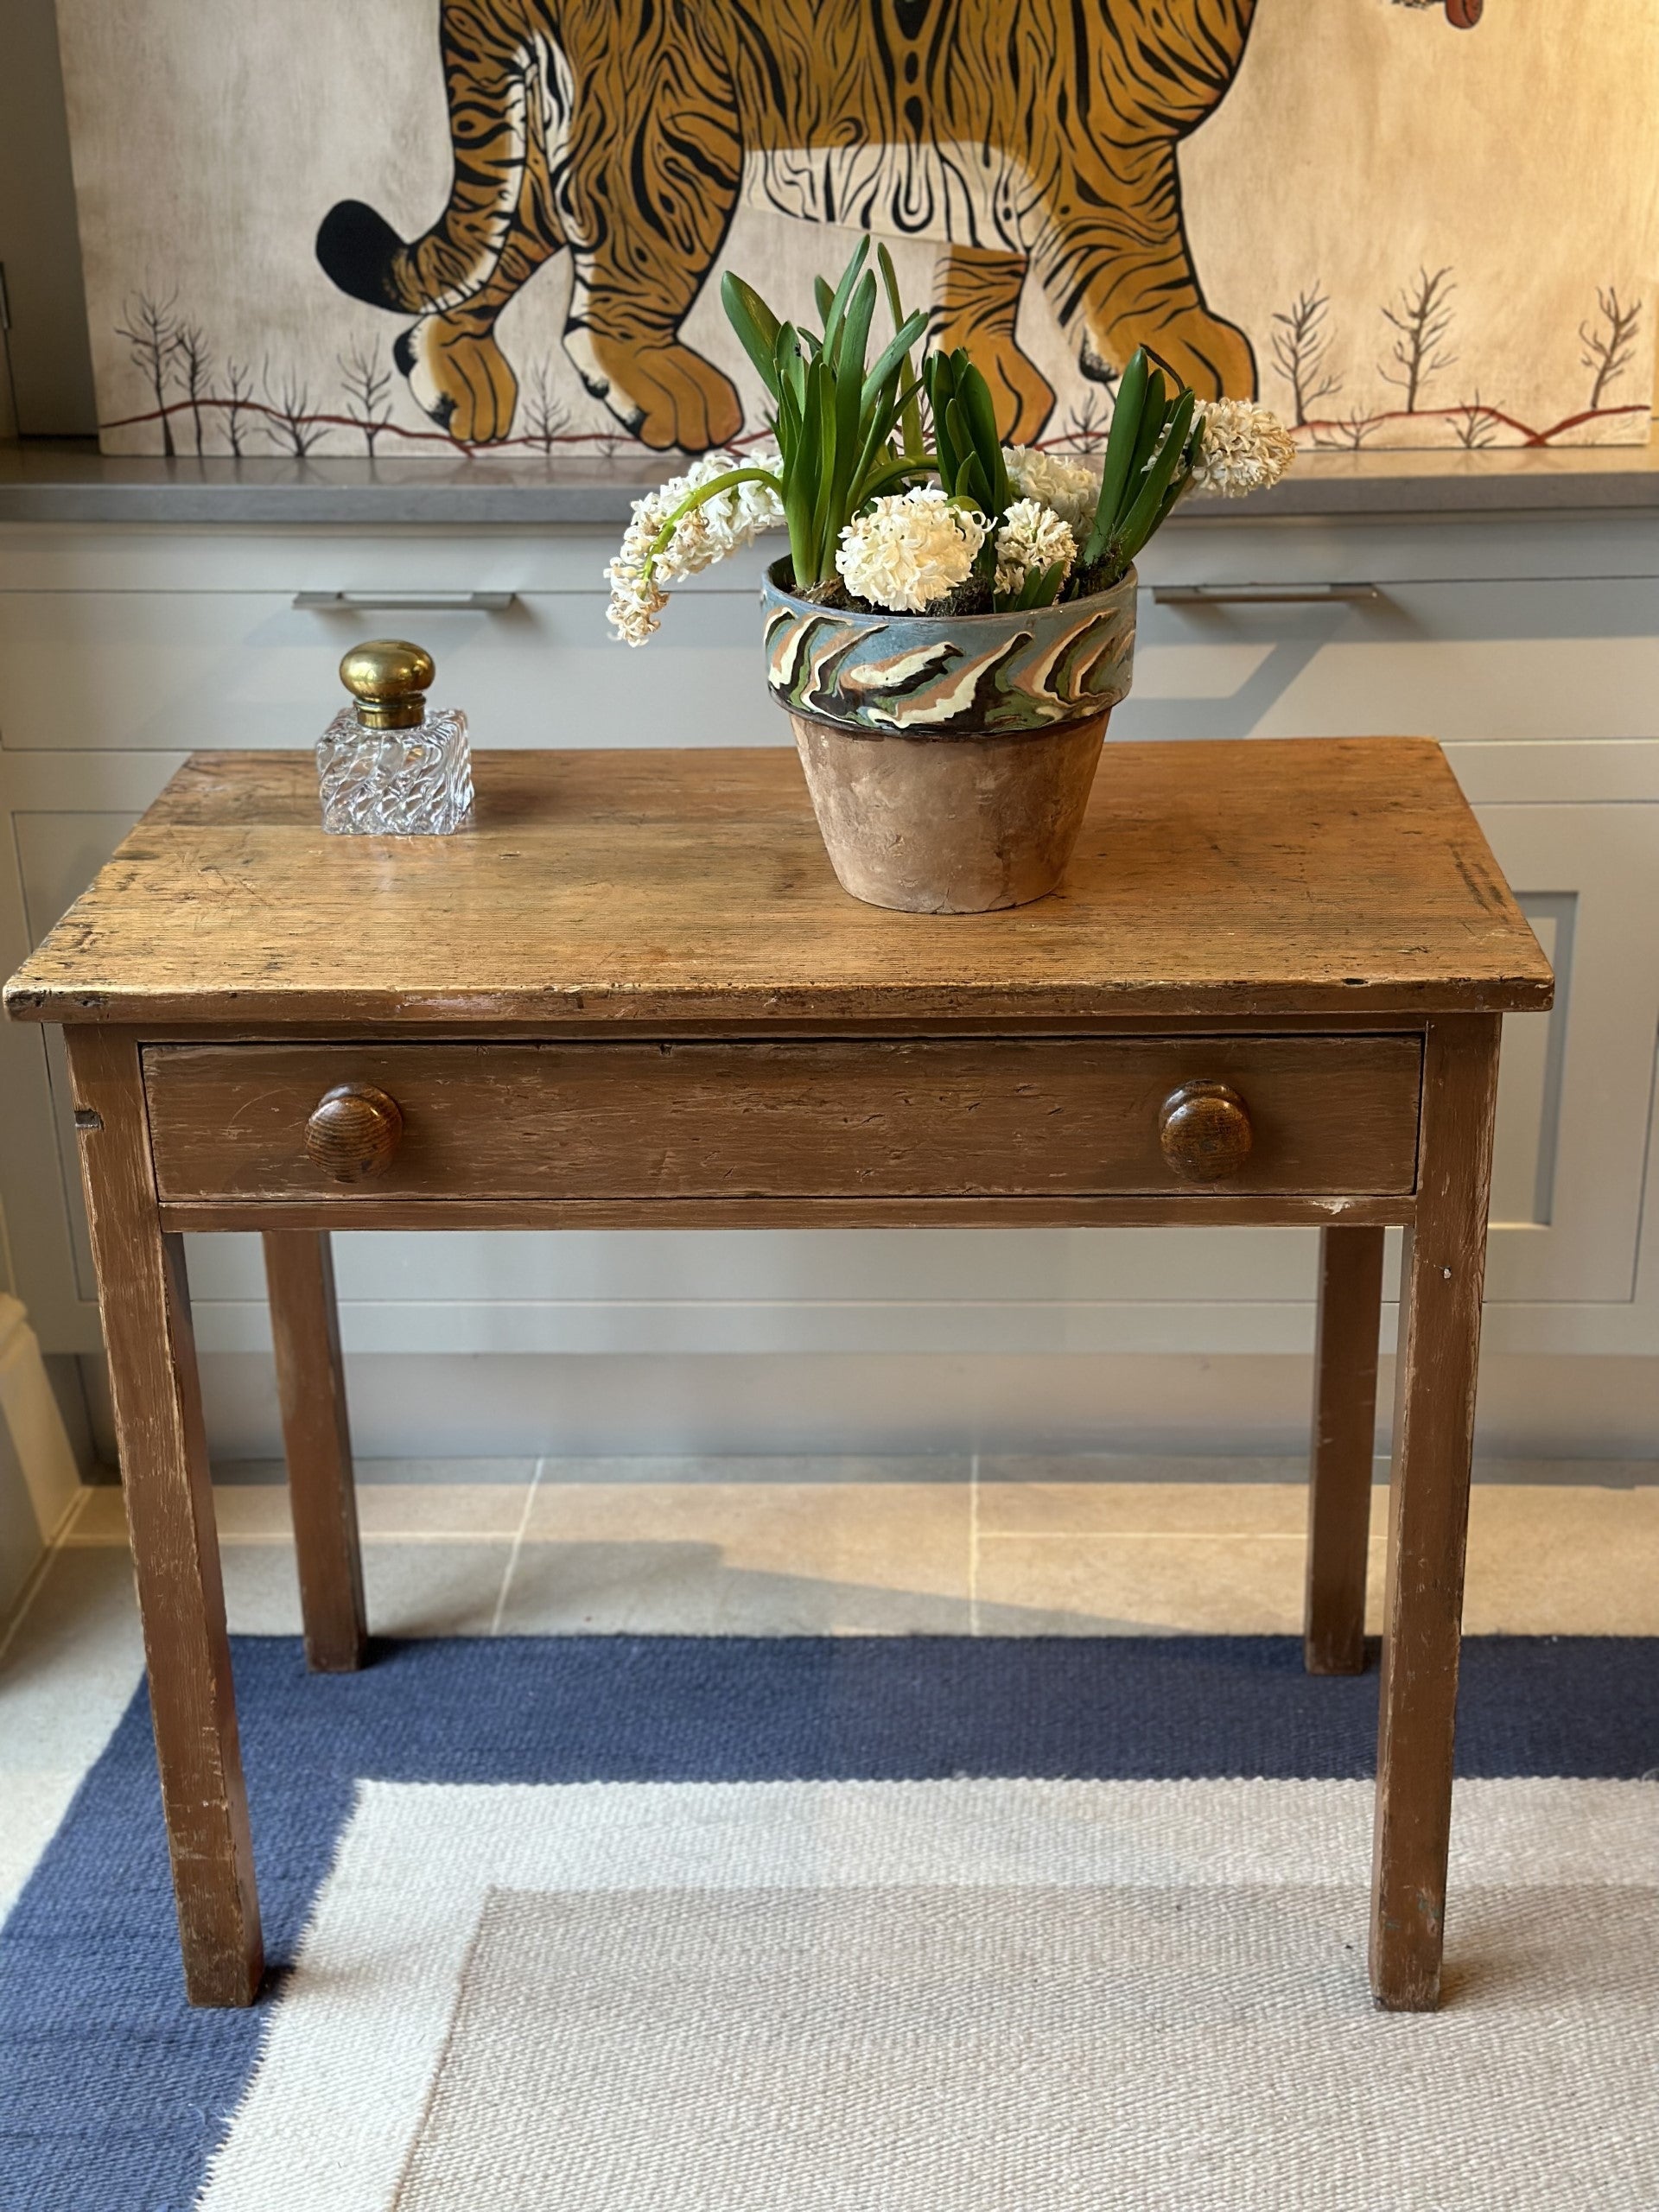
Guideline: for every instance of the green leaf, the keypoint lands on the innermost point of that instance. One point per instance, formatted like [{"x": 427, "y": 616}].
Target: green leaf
[
  {"x": 961, "y": 430},
  {"x": 874, "y": 430},
  {"x": 756, "y": 326},
  {"x": 1120, "y": 452},
  {"x": 980, "y": 411},
  {"x": 909, "y": 414},
  {"x": 835, "y": 418},
  {"x": 843, "y": 292},
  {"x": 1154, "y": 417},
  {"x": 893, "y": 356},
  {"x": 846, "y": 395},
  {"x": 1142, "y": 518},
  {"x": 820, "y": 407},
  {"x": 1178, "y": 484},
  {"x": 1037, "y": 587},
  {"x": 1033, "y": 587},
  {"x": 935, "y": 377},
  {"x": 791, "y": 365},
  {"x": 855, "y": 340},
  {"x": 891, "y": 473},
  {"x": 878, "y": 429}
]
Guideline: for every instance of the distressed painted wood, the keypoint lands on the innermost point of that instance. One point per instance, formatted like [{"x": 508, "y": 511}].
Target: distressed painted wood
[
  {"x": 316, "y": 1438},
  {"x": 164, "y": 1474},
  {"x": 1344, "y": 1433},
  {"x": 1225, "y": 879},
  {"x": 1428, "y": 1512},
  {"x": 987, "y": 1117}
]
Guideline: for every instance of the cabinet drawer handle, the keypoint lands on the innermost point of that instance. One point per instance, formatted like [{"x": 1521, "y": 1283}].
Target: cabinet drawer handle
[
  {"x": 1204, "y": 1130},
  {"x": 426, "y": 602},
  {"x": 354, "y": 1132},
  {"x": 1264, "y": 595}
]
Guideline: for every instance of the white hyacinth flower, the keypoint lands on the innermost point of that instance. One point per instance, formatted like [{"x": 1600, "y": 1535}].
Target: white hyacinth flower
[
  {"x": 1243, "y": 448},
  {"x": 1071, "y": 487},
  {"x": 906, "y": 551},
  {"x": 730, "y": 519},
  {"x": 636, "y": 604},
  {"x": 1033, "y": 539}
]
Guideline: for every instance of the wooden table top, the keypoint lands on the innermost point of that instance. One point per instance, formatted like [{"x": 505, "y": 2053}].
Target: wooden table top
[{"x": 1251, "y": 877}]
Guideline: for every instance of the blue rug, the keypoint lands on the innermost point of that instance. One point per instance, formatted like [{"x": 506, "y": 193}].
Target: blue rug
[{"x": 114, "y": 2095}]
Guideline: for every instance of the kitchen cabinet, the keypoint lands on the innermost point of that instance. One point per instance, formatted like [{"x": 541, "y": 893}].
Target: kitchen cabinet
[{"x": 1529, "y": 644}]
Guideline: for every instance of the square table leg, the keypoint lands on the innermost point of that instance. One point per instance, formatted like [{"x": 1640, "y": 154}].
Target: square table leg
[
  {"x": 145, "y": 1305},
  {"x": 1429, "y": 1509},
  {"x": 316, "y": 1437},
  {"x": 1345, "y": 1437}
]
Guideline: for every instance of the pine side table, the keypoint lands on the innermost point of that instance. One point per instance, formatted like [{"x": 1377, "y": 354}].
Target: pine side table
[{"x": 632, "y": 995}]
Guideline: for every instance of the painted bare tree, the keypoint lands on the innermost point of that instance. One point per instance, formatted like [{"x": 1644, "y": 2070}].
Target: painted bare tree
[
  {"x": 1301, "y": 345},
  {"x": 238, "y": 399},
  {"x": 151, "y": 329},
  {"x": 1349, "y": 434},
  {"x": 367, "y": 389},
  {"x": 195, "y": 361},
  {"x": 290, "y": 417},
  {"x": 546, "y": 417},
  {"x": 1088, "y": 425},
  {"x": 1423, "y": 319},
  {"x": 1475, "y": 426},
  {"x": 1610, "y": 348}
]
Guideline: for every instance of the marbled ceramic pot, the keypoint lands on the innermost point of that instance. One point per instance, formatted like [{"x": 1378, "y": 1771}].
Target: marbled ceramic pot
[{"x": 949, "y": 759}]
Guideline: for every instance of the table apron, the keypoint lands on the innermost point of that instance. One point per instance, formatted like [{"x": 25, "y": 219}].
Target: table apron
[{"x": 1252, "y": 1211}]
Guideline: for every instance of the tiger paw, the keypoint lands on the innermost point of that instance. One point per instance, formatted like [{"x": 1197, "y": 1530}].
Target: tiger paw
[
  {"x": 461, "y": 378},
  {"x": 1212, "y": 356},
  {"x": 664, "y": 394}
]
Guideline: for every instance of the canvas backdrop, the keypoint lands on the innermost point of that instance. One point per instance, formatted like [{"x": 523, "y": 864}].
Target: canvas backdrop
[{"x": 1363, "y": 148}]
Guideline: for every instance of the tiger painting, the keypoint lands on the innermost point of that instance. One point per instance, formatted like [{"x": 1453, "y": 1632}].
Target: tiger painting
[{"x": 1029, "y": 137}]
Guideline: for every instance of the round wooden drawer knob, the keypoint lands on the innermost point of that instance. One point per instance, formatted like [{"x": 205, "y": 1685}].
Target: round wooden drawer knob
[
  {"x": 354, "y": 1132},
  {"x": 1205, "y": 1130}
]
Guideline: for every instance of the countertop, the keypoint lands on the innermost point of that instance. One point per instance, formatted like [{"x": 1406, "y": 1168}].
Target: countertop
[{"x": 74, "y": 483}]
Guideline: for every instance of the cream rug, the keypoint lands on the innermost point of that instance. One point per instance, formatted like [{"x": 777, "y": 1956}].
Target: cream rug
[{"x": 925, "y": 1997}]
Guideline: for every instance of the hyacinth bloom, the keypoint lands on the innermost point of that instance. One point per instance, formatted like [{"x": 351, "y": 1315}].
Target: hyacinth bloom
[
  {"x": 1243, "y": 448},
  {"x": 1033, "y": 542},
  {"x": 659, "y": 547},
  {"x": 907, "y": 550},
  {"x": 1070, "y": 487}
]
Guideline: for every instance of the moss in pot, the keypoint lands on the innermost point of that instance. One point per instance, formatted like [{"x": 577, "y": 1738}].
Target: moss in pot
[{"x": 954, "y": 619}]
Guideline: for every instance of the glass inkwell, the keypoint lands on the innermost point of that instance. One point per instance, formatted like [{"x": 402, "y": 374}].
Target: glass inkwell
[{"x": 389, "y": 765}]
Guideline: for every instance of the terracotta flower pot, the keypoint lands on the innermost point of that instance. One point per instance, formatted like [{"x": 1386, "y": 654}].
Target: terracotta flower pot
[{"x": 948, "y": 758}]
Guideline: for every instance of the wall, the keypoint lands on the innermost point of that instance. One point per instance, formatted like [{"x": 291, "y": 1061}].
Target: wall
[{"x": 50, "y": 365}]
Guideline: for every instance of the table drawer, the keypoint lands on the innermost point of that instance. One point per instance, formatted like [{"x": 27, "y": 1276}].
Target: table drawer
[{"x": 984, "y": 1117}]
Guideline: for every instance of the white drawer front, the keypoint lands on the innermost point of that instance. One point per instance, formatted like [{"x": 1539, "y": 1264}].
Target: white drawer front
[
  {"x": 175, "y": 671},
  {"x": 1468, "y": 662},
  {"x": 95, "y": 670}
]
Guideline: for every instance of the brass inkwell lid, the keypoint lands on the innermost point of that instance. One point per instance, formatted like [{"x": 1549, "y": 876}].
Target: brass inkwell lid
[{"x": 389, "y": 678}]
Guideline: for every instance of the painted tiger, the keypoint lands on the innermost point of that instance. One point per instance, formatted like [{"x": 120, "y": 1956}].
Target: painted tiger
[{"x": 1026, "y": 136}]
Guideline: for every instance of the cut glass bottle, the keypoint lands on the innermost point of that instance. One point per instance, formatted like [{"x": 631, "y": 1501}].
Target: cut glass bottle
[{"x": 390, "y": 767}]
